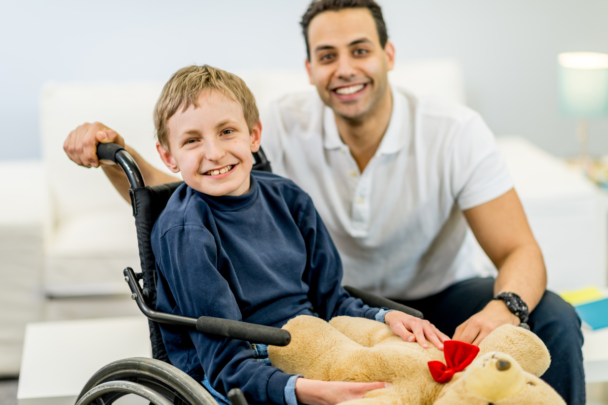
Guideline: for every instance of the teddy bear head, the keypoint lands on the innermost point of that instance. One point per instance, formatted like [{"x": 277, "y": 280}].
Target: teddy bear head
[{"x": 496, "y": 378}]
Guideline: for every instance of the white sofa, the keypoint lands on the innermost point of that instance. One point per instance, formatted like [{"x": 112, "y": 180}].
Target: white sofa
[{"x": 89, "y": 233}]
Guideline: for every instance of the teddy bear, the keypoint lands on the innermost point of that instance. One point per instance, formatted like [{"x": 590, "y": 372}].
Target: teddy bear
[{"x": 504, "y": 369}]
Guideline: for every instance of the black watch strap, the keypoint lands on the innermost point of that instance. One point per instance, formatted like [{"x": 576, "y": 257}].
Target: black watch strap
[{"x": 516, "y": 305}]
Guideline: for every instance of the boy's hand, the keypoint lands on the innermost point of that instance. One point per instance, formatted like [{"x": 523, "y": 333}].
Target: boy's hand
[
  {"x": 314, "y": 392},
  {"x": 81, "y": 143},
  {"x": 411, "y": 329}
]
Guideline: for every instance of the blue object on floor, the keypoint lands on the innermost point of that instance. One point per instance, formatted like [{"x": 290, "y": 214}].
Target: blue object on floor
[{"x": 594, "y": 314}]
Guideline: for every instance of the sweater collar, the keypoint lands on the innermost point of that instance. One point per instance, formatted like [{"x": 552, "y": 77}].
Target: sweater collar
[{"x": 233, "y": 202}]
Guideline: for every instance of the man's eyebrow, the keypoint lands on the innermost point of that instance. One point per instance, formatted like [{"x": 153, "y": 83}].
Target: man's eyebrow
[
  {"x": 324, "y": 48},
  {"x": 355, "y": 42},
  {"x": 360, "y": 41}
]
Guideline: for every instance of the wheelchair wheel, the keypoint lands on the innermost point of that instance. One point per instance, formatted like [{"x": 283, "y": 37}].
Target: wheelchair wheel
[{"x": 158, "y": 382}]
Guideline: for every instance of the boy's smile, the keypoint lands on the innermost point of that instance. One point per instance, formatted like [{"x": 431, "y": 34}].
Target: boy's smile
[{"x": 211, "y": 145}]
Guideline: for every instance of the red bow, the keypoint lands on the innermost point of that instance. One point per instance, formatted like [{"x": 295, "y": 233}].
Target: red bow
[{"x": 458, "y": 355}]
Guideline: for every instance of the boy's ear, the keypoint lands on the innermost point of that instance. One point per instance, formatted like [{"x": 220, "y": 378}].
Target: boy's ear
[
  {"x": 167, "y": 158},
  {"x": 256, "y": 136}
]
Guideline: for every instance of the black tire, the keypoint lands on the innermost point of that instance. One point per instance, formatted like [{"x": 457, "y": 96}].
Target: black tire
[{"x": 172, "y": 383}]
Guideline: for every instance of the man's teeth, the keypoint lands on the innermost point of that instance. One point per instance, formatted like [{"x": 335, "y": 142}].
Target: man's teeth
[
  {"x": 350, "y": 90},
  {"x": 220, "y": 171}
]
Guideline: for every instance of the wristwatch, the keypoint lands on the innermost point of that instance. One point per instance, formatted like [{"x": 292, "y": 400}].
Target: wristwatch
[{"x": 516, "y": 305}]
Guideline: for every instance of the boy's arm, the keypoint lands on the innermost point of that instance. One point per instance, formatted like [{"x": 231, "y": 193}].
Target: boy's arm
[
  {"x": 329, "y": 299},
  {"x": 190, "y": 264}
]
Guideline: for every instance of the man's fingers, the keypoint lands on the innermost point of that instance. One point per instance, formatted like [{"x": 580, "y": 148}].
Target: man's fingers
[
  {"x": 470, "y": 333},
  {"x": 482, "y": 335}
]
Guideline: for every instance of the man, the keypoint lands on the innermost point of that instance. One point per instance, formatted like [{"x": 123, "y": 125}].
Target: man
[{"x": 397, "y": 179}]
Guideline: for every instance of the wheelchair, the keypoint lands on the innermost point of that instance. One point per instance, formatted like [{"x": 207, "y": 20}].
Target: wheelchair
[{"x": 155, "y": 379}]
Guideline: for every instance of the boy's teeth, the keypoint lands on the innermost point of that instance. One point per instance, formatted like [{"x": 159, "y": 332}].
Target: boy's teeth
[
  {"x": 220, "y": 171},
  {"x": 350, "y": 90}
]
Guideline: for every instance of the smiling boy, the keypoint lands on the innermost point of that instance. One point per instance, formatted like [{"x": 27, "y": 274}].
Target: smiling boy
[{"x": 243, "y": 245}]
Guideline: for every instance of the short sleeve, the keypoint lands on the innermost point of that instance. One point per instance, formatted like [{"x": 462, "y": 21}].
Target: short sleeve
[{"x": 478, "y": 170}]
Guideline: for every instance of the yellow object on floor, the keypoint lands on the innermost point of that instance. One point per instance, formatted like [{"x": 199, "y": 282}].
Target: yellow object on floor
[{"x": 581, "y": 296}]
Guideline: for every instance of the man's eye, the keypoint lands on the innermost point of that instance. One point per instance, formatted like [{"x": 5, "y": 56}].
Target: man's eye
[
  {"x": 360, "y": 52},
  {"x": 326, "y": 58}
]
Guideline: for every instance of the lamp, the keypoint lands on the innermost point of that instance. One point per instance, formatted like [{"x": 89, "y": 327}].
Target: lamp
[{"x": 583, "y": 90}]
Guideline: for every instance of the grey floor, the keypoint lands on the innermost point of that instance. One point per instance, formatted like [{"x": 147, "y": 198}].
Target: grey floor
[{"x": 8, "y": 392}]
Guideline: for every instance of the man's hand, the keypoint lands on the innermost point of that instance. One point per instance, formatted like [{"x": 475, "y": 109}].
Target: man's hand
[
  {"x": 314, "y": 392},
  {"x": 81, "y": 143},
  {"x": 477, "y": 327},
  {"x": 411, "y": 329}
]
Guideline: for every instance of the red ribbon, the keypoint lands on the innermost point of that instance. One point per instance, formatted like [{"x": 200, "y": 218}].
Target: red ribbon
[{"x": 458, "y": 355}]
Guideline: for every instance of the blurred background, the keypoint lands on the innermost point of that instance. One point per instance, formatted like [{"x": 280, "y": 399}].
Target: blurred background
[
  {"x": 65, "y": 235},
  {"x": 507, "y": 50}
]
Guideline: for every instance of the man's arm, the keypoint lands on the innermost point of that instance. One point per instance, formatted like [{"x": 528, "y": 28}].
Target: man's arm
[
  {"x": 502, "y": 230},
  {"x": 81, "y": 148}
]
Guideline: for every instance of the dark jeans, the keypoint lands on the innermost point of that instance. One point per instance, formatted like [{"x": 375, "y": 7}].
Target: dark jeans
[{"x": 553, "y": 320}]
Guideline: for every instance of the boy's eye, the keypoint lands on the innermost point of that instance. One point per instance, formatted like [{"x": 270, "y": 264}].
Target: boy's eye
[{"x": 227, "y": 131}]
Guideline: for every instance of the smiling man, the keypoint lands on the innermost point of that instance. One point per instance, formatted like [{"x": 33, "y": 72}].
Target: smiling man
[{"x": 404, "y": 185}]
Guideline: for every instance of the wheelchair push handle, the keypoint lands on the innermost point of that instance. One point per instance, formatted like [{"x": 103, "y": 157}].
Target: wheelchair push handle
[
  {"x": 243, "y": 331},
  {"x": 117, "y": 154}
]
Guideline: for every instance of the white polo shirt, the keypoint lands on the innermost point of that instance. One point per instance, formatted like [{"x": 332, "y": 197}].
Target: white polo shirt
[{"x": 398, "y": 225}]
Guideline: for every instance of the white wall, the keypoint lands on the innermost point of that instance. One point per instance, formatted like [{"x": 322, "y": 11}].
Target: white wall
[{"x": 507, "y": 49}]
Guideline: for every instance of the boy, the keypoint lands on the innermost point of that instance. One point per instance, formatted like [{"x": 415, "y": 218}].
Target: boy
[{"x": 241, "y": 245}]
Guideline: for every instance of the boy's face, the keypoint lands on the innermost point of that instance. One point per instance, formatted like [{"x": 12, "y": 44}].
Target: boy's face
[
  {"x": 211, "y": 145},
  {"x": 347, "y": 63}
]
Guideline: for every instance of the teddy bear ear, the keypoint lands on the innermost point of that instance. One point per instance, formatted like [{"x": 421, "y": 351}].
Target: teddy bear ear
[{"x": 521, "y": 344}]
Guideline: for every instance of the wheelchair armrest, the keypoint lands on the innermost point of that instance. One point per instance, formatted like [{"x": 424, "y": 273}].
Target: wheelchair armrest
[
  {"x": 376, "y": 301},
  {"x": 214, "y": 326}
]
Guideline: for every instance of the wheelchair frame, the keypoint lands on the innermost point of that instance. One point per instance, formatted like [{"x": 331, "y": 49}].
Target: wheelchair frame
[{"x": 156, "y": 379}]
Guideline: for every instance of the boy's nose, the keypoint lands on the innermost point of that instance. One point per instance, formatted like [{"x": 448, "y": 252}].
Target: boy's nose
[{"x": 214, "y": 151}]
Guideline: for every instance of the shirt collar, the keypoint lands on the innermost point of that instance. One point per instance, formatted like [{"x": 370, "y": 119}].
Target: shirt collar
[
  {"x": 394, "y": 138},
  {"x": 230, "y": 202}
]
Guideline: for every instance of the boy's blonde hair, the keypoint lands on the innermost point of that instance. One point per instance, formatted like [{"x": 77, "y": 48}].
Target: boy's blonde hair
[{"x": 187, "y": 84}]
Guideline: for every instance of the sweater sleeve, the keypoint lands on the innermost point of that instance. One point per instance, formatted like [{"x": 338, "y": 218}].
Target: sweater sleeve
[
  {"x": 191, "y": 264},
  {"x": 324, "y": 270}
]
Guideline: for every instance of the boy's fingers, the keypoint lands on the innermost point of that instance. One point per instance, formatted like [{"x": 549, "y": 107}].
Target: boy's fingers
[
  {"x": 432, "y": 337},
  {"x": 442, "y": 336},
  {"x": 401, "y": 331},
  {"x": 419, "y": 333}
]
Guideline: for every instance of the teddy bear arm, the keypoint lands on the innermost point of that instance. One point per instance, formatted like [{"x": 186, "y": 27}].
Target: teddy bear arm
[{"x": 364, "y": 331}]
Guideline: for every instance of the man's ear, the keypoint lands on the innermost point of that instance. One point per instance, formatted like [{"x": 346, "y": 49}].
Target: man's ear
[
  {"x": 167, "y": 158},
  {"x": 309, "y": 70},
  {"x": 256, "y": 136},
  {"x": 389, "y": 50}
]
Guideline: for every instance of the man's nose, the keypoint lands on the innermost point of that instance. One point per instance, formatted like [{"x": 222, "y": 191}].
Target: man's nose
[{"x": 346, "y": 69}]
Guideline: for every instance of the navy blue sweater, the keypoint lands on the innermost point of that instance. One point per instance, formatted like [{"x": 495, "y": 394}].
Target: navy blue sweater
[{"x": 263, "y": 257}]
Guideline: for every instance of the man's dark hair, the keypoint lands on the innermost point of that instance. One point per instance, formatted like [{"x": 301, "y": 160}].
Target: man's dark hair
[{"x": 317, "y": 7}]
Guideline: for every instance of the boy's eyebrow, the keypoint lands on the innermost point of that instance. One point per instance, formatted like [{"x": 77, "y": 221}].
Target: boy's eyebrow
[
  {"x": 355, "y": 42},
  {"x": 225, "y": 122}
]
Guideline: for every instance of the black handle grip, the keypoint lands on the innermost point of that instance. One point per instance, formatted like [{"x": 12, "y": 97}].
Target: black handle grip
[
  {"x": 236, "y": 397},
  {"x": 375, "y": 301},
  {"x": 107, "y": 151},
  {"x": 243, "y": 331}
]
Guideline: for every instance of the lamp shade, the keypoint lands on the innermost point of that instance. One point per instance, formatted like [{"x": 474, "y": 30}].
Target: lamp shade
[{"x": 583, "y": 84}]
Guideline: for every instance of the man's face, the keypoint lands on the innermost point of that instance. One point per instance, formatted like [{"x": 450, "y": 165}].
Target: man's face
[
  {"x": 347, "y": 64},
  {"x": 211, "y": 145}
]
